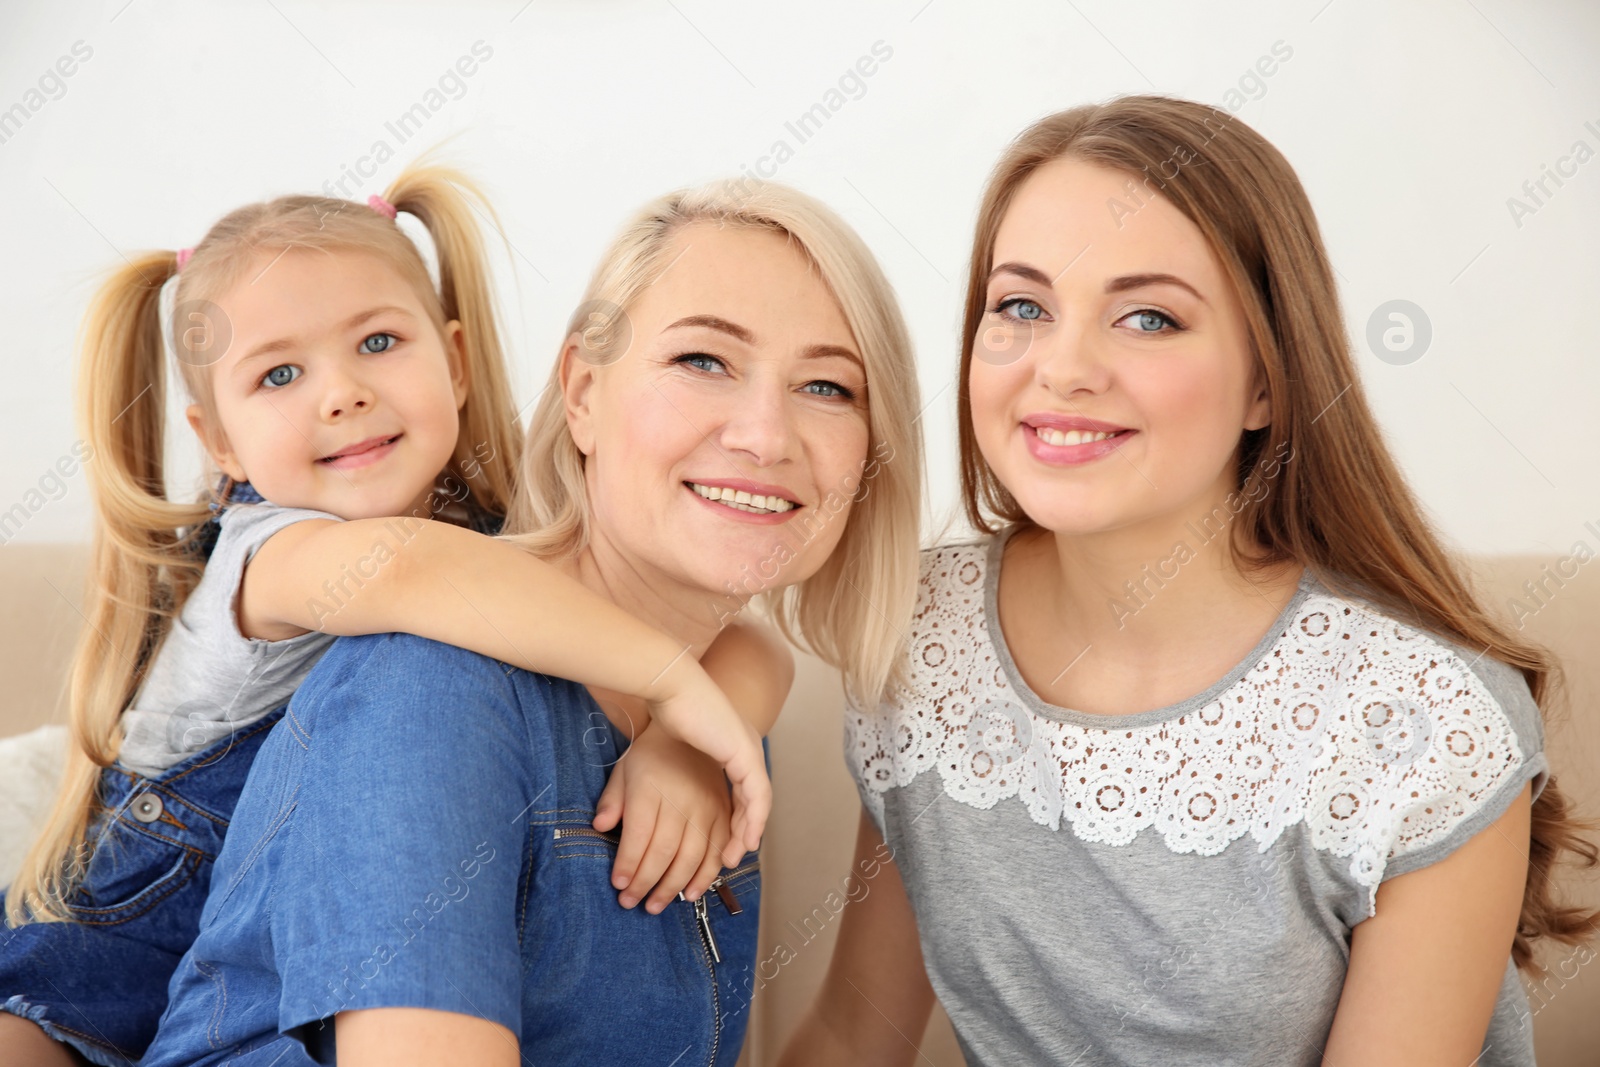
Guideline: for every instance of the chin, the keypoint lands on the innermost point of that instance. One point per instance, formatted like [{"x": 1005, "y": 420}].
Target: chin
[{"x": 1072, "y": 518}]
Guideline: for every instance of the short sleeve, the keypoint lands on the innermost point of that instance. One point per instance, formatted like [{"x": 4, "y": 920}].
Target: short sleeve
[
  {"x": 399, "y": 886},
  {"x": 863, "y": 752},
  {"x": 245, "y": 528},
  {"x": 1485, "y": 742}
]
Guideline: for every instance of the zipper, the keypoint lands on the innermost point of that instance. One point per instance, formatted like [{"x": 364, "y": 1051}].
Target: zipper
[
  {"x": 564, "y": 832},
  {"x": 711, "y": 968},
  {"x": 730, "y": 900},
  {"x": 702, "y": 916}
]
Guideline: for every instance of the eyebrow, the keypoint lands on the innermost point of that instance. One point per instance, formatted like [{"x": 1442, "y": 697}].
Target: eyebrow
[
  {"x": 712, "y": 322},
  {"x": 268, "y": 348},
  {"x": 1139, "y": 281},
  {"x": 733, "y": 329},
  {"x": 1115, "y": 285}
]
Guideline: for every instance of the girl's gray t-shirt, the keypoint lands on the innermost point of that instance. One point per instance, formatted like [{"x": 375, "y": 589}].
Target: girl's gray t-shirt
[
  {"x": 1179, "y": 886},
  {"x": 208, "y": 679}
]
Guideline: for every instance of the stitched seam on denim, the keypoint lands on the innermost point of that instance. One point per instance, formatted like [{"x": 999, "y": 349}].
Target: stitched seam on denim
[
  {"x": 203, "y": 813},
  {"x": 256, "y": 850},
  {"x": 301, "y": 736},
  {"x": 561, "y": 811},
  {"x": 528, "y": 847},
  {"x": 166, "y": 816},
  {"x": 214, "y": 976},
  {"x": 186, "y": 870},
  {"x": 583, "y": 855},
  {"x": 249, "y": 731},
  {"x": 144, "y": 828},
  {"x": 744, "y": 881},
  {"x": 75, "y": 1032}
]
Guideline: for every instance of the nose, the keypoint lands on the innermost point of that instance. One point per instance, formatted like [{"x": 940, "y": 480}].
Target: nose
[
  {"x": 1071, "y": 359},
  {"x": 755, "y": 424},
  {"x": 345, "y": 393}
]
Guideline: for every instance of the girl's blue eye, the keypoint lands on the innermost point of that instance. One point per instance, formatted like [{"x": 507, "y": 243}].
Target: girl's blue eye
[
  {"x": 1151, "y": 321},
  {"x": 281, "y": 375},
  {"x": 378, "y": 342}
]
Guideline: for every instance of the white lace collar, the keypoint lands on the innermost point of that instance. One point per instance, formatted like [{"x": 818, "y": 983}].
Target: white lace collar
[{"x": 1374, "y": 735}]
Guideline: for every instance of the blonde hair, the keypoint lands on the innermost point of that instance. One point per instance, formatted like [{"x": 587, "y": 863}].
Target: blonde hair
[
  {"x": 851, "y": 613},
  {"x": 145, "y": 559},
  {"x": 1342, "y": 508}
]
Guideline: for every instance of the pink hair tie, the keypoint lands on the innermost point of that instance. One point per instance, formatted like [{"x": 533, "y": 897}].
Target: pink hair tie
[
  {"x": 382, "y": 206},
  {"x": 184, "y": 255}
]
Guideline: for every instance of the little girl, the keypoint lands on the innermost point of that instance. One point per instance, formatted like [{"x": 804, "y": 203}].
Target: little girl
[
  {"x": 365, "y": 428},
  {"x": 1210, "y": 754}
]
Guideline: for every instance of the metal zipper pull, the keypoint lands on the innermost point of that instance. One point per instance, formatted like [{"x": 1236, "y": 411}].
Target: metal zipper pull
[
  {"x": 729, "y": 900},
  {"x": 705, "y": 928}
]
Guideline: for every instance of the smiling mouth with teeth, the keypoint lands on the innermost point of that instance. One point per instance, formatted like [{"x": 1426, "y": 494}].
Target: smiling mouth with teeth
[
  {"x": 739, "y": 500},
  {"x": 1052, "y": 436}
]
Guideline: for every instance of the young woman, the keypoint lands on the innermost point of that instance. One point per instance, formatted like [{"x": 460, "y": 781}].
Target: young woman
[
  {"x": 1210, "y": 754},
  {"x": 413, "y": 866}
]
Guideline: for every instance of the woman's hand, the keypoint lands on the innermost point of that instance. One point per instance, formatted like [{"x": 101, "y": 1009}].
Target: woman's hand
[
  {"x": 697, "y": 713},
  {"x": 674, "y": 808}
]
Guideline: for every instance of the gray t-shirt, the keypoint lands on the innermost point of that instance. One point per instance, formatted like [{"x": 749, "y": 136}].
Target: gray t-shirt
[
  {"x": 1179, "y": 886},
  {"x": 208, "y": 679}
]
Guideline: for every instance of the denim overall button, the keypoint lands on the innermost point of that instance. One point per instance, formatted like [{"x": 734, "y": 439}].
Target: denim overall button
[{"x": 146, "y": 807}]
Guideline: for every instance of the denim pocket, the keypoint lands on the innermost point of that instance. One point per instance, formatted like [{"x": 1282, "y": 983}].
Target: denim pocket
[{"x": 130, "y": 872}]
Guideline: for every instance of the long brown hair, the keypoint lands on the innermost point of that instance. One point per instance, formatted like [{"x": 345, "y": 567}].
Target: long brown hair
[
  {"x": 1341, "y": 508},
  {"x": 144, "y": 562}
]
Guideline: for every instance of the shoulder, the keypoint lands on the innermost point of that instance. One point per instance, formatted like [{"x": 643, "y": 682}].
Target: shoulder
[
  {"x": 1432, "y": 673},
  {"x": 240, "y": 517},
  {"x": 1433, "y": 740},
  {"x": 245, "y": 527},
  {"x": 403, "y": 672}
]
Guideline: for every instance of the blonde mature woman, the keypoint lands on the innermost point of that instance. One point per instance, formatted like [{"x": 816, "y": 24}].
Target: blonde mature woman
[{"x": 412, "y": 865}]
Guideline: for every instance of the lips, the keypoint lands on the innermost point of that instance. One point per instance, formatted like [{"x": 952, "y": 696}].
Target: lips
[
  {"x": 1068, "y": 440},
  {"x": 360, "y": 447},
  {"x": 758, "y": 501}
]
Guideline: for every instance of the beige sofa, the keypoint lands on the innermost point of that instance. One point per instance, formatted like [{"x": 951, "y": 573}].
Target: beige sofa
[{"x": 813, "y": 825}]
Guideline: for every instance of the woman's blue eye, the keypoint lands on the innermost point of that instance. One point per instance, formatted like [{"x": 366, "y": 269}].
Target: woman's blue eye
[
  {"x": 834, "y": 390},
  {"x": 1150, "y": 321},
  {"x": 700, "y": 361},
  {"x": 1019, "y": 307},
  {"x": 378, "y": 342},
  {"x": 281, "y": 375}
]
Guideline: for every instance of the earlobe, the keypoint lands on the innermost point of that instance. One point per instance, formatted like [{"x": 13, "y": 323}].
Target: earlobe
[
  {"x": 215, "y": 443},
  {"x": 577, "y": 383},
  {"x": 1259, "y": 414}
]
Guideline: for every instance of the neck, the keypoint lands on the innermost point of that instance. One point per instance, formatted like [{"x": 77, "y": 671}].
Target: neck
[
  {"x": 681, "y": 611},
  {"x": 1146, "y": 589}
]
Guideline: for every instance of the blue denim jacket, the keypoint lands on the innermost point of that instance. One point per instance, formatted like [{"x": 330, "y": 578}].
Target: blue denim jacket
[{"x": 415, "y": 833}]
